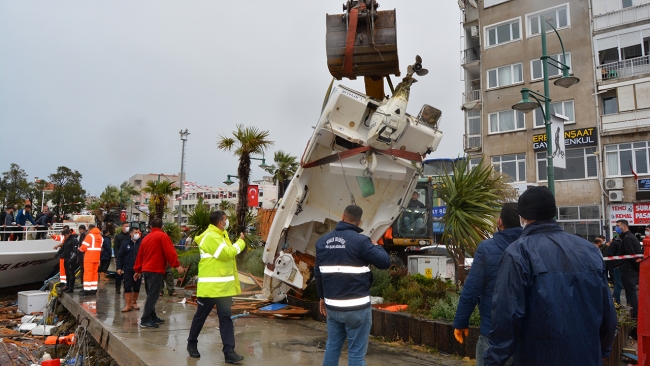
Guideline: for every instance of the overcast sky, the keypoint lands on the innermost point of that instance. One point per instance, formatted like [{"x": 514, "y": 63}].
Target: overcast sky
[{"x": 103, "y": 87}]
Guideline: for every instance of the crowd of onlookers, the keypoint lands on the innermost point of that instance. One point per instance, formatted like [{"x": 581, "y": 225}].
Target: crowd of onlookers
[{"x": 14, "y": 223}]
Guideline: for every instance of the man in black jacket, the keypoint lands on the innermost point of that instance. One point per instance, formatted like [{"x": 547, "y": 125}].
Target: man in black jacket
[
  {"x": 124, "y": 262},
  {"x": 343, "y": 281},
  {"x": 70, "y": 245},
  {"x": 120, "y": 238},
  {"x": 629, "y": 267}
]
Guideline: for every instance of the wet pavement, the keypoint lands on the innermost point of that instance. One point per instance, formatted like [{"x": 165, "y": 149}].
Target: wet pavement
[{"x": 261, "y": 341}]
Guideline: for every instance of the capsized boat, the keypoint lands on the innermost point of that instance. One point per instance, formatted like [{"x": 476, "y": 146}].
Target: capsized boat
[{"x": 363, "y": 151}]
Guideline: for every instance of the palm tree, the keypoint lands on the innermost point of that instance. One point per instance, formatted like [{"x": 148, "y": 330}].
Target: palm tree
[
  {"x": 284, "y": 168},
  {"x": 246, "y": 141},
  {"x": 160, "y": 193},
  {"x": 473, "y": 198}
]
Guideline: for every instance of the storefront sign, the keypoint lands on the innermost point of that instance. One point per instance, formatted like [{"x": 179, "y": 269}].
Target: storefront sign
[
  {"x": 621, "y": 211},
  {"x": 634, "y": 213},
  {"x": 643, "y": 184},
  {"x": 580, "y": 137}
]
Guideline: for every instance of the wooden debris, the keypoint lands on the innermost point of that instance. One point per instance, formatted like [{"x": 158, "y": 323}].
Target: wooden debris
[{"x": 288, "y": 312}]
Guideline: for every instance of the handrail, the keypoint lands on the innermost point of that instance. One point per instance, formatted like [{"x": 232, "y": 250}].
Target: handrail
[{"x": 470, "y": 55}]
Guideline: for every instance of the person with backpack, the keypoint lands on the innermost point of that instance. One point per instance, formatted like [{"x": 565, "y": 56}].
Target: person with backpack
[{"x": 629, "y": 267}]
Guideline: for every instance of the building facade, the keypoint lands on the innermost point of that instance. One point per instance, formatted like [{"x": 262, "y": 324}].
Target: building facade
[
  {"x": 501, "y": 55},
  {"x": 138, "y": 206},
  {"x": 620, "y": 37}
]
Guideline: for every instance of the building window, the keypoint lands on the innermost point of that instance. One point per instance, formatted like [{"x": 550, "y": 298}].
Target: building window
[
  {"x": 505, "y": 75},
  {"x": 514, "y": 166},
  {"x": 622, "y": 158},
  {"x": 583, "y": 221},
  {"x": 473, "y": 162},
  {"x": 504, "y": 121},
  {"x": 610, "y": 105},
  {"x": 564, "y": 108},
  {"x": 473, "y": 129},
  {"x": 558, "y": 17},
  {"x": 488, "y": 3},
  {"x": 624, "y": 46},
  {"x": 536, "y": 66},
  {"x": 581, "y": 163},
  {"x": 626, "y": 3},
  {"x": 505, "y": 32}
]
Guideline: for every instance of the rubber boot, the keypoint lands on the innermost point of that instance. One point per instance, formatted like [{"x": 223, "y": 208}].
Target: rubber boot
[
  {"x": 127, "y": 299},
  {"x": 134, "y": 299},
  {"x": 191, "y": 349}
]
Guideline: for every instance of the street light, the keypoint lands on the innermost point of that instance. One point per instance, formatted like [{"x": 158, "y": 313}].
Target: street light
[
  {"x": 263, "y": 165},
  {"x": 526, "y": 105},
  {"x": 228, "y": 181}
]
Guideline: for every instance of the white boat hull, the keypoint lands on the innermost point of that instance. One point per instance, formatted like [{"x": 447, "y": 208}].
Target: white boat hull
[
  {"x": 26, "y": 261},
  {"x": 380, "y": 183}
]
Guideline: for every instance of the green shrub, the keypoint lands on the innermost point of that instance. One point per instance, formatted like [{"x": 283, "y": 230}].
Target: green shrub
[
  {"x": 174, "y": 232},
  {"x": 189, "y": 256},
  {"x": 445, "y": 309},
  {"x": 380, "y": 281},
  {"x": 252, "y": 262},
  {"x": 417, "y": 291}
]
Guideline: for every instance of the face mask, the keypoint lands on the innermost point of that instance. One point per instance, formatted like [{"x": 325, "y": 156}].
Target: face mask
[
  {"x": 227, "y": 224},
  {"x": 618, "y": 230},
  {"x": 126, "y": 230},
  {"x": 136, "y": 236},
  {"x": 647, "y": 233},
  {"x": 522, "y": 222}
]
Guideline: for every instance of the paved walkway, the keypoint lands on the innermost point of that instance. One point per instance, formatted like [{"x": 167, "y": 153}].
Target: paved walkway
[{"x": 261, "y": 341}]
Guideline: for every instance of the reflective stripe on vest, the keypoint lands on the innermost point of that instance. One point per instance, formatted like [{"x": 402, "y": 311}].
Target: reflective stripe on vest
[
  {"x": 97, "y": 249},
  {"x": 348, "y": 303},
  {"x": 344, "y": 269},
  {"x": 218, "y": 279}
]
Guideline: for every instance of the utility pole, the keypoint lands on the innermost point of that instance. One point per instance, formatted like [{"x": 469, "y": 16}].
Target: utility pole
[{"x": 184, "y": 135}]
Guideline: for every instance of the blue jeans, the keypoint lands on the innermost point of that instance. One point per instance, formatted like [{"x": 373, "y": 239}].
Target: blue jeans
[
  {"x": 618, "y": 285},
  {"x": 353, "y": 325}
]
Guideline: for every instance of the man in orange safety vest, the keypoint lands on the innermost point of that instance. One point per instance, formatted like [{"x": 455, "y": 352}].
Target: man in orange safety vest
[{"x": 92, "y": 248}]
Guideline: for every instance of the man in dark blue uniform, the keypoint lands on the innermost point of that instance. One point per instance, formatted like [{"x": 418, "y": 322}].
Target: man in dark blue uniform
[
  {"x": 343, "y": 281},
  {"x": 124, "y": 262},
  {"x": 479, "y": 286},
  {"x": 551, "y": 302}
]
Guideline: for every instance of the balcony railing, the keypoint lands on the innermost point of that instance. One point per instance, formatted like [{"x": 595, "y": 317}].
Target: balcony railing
[
  {"x": 623, "y": 69},
  {"x": 470, "y": 55},
  {"x": 471, "y": 14},
  {"x": 472, "y": 142},
  {"x": 626, "y": 120},
  {"x": 623, "y": 16},
  {"x": 471, "y": 96}
]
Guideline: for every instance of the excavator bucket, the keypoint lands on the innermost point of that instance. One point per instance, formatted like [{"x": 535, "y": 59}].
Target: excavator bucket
[{"x": 374, "y": 49}]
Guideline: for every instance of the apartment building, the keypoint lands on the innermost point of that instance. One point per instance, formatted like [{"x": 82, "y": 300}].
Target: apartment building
[
  {"x": 620, "y": 34},
  {"x": 137, "y": 207},
  {"x": 501, "y": 55}
]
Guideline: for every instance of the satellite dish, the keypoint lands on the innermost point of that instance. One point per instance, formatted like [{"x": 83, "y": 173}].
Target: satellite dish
[{"x": 473, "y": 4}]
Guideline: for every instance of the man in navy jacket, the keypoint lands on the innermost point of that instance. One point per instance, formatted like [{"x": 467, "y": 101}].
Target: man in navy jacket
[
  {"x": 343, "y": 280},
  {"x": 22, "y": 217},
  {"x": 551, "y": 302},
  {"x": 479, "y": 285}
]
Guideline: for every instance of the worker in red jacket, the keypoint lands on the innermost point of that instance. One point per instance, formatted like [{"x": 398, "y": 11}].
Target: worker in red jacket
[
  {"x": 92, "y": 249},
  {"x": 156, "y": 250}
]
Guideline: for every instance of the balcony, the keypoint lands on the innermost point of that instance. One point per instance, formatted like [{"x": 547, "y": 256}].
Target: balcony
[
  {"x": 471, "y": 96},
  {"x": 626, "y": 120},
  {"x": 470, "y": 55},
  {"x": 471, "y": 14},
  {"x": 624, "y": 69},
  {"x": 622, "y": 16},
  {"x": 472, "y": 142}
]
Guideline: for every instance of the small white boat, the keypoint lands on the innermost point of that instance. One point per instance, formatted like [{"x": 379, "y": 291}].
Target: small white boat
[
  {"x": 30, "y": 260},
  {"x": 363, "y": 151}
]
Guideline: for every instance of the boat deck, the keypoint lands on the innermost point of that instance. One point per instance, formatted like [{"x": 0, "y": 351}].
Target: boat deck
[{"x": 261, "y": 341}]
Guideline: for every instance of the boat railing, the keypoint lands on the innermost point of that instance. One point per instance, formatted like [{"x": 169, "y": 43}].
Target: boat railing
[{"x": 32, "y": 232}]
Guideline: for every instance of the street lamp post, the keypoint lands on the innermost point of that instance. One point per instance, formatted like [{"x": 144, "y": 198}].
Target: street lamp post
[
  {"x": 526, "y": 105},
  {"x": 184, "y": 135}
]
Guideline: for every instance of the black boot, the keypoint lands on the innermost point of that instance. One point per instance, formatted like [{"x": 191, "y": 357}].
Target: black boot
[
  {"x": 233, "y": 357},
  {"x": 191, "y": 349},
  {"x": 84, "y": 293}
]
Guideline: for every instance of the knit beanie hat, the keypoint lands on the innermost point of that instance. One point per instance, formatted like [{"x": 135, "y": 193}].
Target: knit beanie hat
[{"x": 537, "y": 203}]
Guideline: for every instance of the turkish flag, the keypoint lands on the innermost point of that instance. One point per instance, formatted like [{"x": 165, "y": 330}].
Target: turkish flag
[
  {"x": 123, "y": 216},
  {"x": 253, "y": 196}
]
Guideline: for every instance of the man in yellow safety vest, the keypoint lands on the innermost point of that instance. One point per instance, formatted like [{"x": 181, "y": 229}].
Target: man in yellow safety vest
[{"x": 218, "y": 283}]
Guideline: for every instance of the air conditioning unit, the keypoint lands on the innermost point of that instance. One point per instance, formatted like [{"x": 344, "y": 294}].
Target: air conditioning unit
[
  {"x": 614, "y": 183},
  {"x": 616, "y": 196},
  {"x": 473, "y": 31}
]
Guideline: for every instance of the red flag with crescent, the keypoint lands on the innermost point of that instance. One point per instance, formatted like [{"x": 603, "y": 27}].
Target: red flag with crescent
[{"x": 253, "y": 196}]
